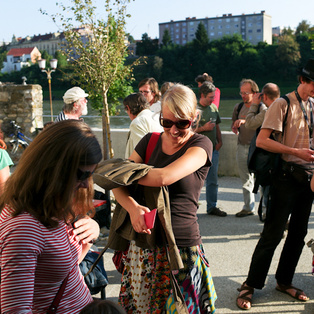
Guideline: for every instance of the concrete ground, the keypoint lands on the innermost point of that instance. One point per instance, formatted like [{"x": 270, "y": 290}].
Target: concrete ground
[{"x": 229, "y": 243}]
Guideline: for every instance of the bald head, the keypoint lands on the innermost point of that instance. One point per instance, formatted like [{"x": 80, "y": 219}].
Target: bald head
[{"x": 270, "y": 92}]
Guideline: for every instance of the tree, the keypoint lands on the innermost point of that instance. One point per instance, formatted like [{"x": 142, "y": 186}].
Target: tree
[
  {"x": 201, "y": 37},
  {"x": 288, "y": 53},
  {"x": 147, "y": 46},
  {"x": 303, "y": 27},
  {"x": 97, "y": 51},
  {"x": 166, "y": 38}
]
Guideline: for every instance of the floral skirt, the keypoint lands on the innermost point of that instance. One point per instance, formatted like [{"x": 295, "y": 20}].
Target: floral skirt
[{"x": 146, "y": 286}]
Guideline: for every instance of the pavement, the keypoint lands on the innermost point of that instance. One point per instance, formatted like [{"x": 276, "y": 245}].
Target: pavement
[{"x": 229, "y": 243}]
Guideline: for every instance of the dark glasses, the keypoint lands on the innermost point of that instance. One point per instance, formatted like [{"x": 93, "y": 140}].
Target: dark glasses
[
  {"x": 181, "y": 124},
  {"x": 83, "y": 175}
]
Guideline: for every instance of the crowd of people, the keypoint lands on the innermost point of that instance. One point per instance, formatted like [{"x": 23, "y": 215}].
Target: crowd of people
[{"x": 45, "y": 227}]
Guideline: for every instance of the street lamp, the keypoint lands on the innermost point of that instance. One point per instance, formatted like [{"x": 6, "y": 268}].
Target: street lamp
[{"x": 53, "y": 66}]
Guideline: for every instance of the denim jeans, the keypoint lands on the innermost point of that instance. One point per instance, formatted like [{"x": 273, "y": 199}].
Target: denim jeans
[
  {"x": 246, "y": 178},
  {"x": 211, "y": 183}
]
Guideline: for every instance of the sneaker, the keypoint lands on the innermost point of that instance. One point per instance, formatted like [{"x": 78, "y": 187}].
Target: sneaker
[{"x": 217, "y": 212}]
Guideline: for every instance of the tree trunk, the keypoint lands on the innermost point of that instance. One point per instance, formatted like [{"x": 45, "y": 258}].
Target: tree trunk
[{"x": 108, "y": 151}]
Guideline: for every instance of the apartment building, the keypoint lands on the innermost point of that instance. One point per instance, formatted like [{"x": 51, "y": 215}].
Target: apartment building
[{"x": 254, "y": 28}]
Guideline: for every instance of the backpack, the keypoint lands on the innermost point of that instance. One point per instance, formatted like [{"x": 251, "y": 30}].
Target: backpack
[{"x": 262, "y": 162}]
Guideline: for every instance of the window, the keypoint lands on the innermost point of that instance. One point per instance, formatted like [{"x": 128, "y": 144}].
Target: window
[
  {"x": 177, "y": 30},
  {"x": 219, "y": 33},
  {"x": 183, "y": 41},
  {"x": 191, "y": 23},
  {"x": 228, "y": 26},
  {"x": 212, "y": 27},
  {"x": 177, "y": 36},
  {"x": 212, "y": 34},
  {"x": 219, "y": 20},
  {"x": 258, "y": 30},
  {"x": 183, "y": 29},
  {"x": 236, "y": 19},
  {"x": 228, "y": 20},
  {"x": 167, "y": 25},
  {"x": 250, "y": 24},
  {"x": 250, "y": 31},
  {"x": 219, "y": 27},
  {"x": 177, "y": 24},
  {"x": 236, "y": 25}
]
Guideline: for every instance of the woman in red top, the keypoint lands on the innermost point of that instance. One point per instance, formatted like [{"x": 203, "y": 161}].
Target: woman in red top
[{"x": 44, "y": 230}]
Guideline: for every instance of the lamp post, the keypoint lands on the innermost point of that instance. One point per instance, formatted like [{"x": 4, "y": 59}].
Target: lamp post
[{"x": 53, "y": 66}]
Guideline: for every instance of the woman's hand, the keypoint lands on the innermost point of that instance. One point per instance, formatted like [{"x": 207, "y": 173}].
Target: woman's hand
[
  {"x": 137, "y": 219},
  {"x": 86, "y": 230}
]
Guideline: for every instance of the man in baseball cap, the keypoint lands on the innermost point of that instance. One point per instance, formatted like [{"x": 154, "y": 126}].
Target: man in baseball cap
[{"x": 75, "y": 104}]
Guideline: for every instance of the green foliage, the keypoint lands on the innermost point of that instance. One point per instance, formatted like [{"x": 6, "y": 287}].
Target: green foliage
[
  {"x": 98, "y": 60},
  {"x": 166, "y": 38},
  {"x": 201, "y": 37},
  {"x": 147, "y": 46}
]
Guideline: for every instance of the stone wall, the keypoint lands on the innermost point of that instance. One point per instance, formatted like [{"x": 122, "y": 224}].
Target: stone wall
[
  {"x": 22, "y": 104},
  {"x": 227, "y": 154}
]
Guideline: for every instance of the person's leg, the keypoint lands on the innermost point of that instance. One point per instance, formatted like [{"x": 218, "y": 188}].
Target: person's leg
[
  {"x": 297, "y": 231},
  {"x": 277, "y": 215},
  {"x": 282, "y": 201},
  {"x": 212, "y": 183},
  {"x": 246, "y": 178}
]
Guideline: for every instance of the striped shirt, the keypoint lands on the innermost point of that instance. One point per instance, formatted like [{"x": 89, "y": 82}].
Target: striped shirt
[{"x": 34, "y": 261}]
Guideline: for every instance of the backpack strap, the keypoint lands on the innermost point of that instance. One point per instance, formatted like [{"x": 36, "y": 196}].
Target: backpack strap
[
  {"x": 239, "y": 108},
  {"x": 286, "y": 98},
  {"x": 151, "y": 145}
]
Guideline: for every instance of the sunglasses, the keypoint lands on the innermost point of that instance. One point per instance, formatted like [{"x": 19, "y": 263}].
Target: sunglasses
[
  {"x": 181, "y": 124},
  {"x": 83, "y": 175}
]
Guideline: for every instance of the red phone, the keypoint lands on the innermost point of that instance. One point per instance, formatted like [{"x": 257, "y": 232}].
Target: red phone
[{"x": 150, "y": 218}]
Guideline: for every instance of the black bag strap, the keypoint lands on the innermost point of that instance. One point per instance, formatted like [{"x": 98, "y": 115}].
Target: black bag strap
[{"x": 239, "y": 108}]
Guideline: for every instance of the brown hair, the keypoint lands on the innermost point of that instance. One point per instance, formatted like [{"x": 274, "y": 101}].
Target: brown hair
[
  {"x": 136, "y": 102},
  {"x": 165, "y": 86},
  {"x": 204, "y": 78},
  {"x": 44, "y": 180},
  {"x": 254, "y": 86},
  {"x": 153, "y": 86}
]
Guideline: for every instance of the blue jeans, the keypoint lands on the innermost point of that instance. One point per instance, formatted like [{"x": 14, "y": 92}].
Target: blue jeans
[{"x": 212, "y": 183}]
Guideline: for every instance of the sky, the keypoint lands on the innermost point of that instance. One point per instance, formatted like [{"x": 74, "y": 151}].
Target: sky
[{"x": 22, "y": 18}]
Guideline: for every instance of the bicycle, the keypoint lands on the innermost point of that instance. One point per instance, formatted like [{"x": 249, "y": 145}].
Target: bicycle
[{"x": 19, "y": 140}]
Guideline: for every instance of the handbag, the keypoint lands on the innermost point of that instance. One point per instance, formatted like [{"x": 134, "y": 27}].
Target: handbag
[{"x": 117, "y": 259}]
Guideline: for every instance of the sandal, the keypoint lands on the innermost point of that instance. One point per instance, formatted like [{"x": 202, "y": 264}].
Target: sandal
[
  {"x": 245, "y": 296},
  {"x": 284, "y": 289}
]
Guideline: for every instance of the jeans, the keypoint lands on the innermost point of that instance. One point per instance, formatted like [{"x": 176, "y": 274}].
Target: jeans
[
  {"x": 287, "y": 197},
  {"x": 211, "y": 183},
  {"x": 246, "y": 178}
]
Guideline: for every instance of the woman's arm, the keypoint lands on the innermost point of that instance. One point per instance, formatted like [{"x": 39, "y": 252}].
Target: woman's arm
[
  {"x": 193, "y": 159},
  {"x": 135, "y": 210}
]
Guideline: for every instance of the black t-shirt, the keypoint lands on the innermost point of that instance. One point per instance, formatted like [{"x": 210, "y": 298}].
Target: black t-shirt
[{"x": 184, "y": 194}]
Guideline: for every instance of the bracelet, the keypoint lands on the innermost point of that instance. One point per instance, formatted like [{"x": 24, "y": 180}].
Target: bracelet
[{"x": 93, "y": 241}]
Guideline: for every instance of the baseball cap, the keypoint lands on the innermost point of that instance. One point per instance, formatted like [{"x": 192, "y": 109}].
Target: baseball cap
[{"x": 73, "y": 94}]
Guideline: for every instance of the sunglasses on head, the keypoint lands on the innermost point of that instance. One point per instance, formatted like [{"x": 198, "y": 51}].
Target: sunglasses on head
[
  {"x": 181, "y": 124},
  {"x": 83, "y": 175}
]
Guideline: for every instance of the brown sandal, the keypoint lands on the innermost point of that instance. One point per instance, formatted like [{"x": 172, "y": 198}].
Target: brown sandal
[
  {"x": 245, "y": 296},
  {"x": 284, "y": 289}
]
